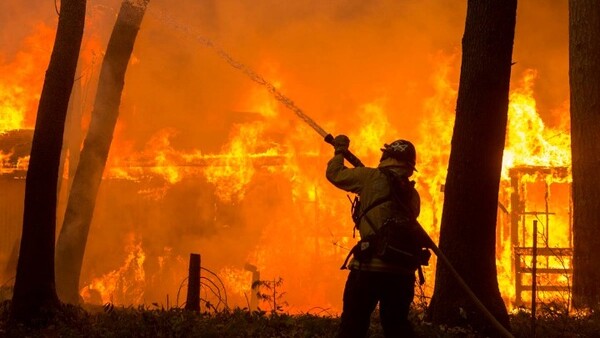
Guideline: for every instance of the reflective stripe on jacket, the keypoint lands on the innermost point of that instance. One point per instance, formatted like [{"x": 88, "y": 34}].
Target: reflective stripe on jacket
[{"x": 371, "y": 184}]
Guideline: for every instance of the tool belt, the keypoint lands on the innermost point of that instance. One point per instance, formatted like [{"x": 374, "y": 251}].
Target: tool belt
[{"x": 395, "y": 242}]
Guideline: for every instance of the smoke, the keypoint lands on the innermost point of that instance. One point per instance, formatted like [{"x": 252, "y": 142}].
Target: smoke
[
  {"x": 350, "y": 65},
  {"x": 541, "y": 43},
  {"x": 18, "y": 21}
]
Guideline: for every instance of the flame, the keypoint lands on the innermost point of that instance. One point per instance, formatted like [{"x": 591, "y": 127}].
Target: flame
[
  {"x": 161, "y": 163},
  {"x": 314, "y": 204},
  {"x": 237, "y": 281},
  {"x": 11, "y": 115},
  {"x": 23, "y": 163},
  {"x": 529, "y": 141},
  {"x": 535, "y": 153},
  {"x": 234, "y": 170},
  {"x": 21, "y": 83},
  {"x": 231, "y": 173},
  {"x": 124, "y": 285},
  {"x": 298, "y": 227},
  {"x": 375, "y": 127},
  {"x": 4, "y": 161}
]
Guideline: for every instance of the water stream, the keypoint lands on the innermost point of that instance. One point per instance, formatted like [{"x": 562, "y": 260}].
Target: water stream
[{"x": 163, "y": 17}]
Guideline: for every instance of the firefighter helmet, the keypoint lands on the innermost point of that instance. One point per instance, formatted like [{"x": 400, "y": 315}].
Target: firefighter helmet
[{"x": 401, "y": 150}]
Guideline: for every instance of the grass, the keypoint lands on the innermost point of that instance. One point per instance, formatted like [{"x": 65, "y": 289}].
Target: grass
[
  {"x": 110, "y": 321},
  {"x": 176, "y": 322}
]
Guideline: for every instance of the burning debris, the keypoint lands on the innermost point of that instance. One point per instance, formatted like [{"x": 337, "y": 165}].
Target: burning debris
[{"x": 15, "y": 146}]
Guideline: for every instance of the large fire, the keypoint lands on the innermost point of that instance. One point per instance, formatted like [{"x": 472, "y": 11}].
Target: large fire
[{"x": 256, "y": 195}]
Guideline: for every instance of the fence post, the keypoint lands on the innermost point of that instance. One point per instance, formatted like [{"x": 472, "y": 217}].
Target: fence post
[
  {"x": 193, "y": 293},
  {"x": 534, "y": 276},
  {"x": 255, "y": 278}
]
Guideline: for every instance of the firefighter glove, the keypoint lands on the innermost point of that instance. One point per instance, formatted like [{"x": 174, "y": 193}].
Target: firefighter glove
[{"x": 341, "y": 143}]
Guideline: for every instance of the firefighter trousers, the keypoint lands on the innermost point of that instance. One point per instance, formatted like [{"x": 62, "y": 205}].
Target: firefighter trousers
[{"x": 364, "y": 289}]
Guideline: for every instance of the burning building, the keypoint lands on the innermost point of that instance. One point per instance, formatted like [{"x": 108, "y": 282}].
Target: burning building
[
  {"x": 541, "y": 233},
  {"x": 204, "y": 160}
]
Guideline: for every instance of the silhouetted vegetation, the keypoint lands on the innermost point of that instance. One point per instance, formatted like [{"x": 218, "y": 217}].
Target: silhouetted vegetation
[{"x": 157, "y": 321}]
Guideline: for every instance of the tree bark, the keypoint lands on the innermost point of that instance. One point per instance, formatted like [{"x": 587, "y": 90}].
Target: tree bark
[
  {"x": 34, "y": 294},
  {"x": 584, "y": 79},
  {"x": 467, "y": 234},
  {"x": 84, "y": 190},
  {"x": 71, "y": 138}
]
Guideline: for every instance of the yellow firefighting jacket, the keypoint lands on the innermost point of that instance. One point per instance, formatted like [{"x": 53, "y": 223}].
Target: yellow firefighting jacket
[{"x": 371, "y": 185}]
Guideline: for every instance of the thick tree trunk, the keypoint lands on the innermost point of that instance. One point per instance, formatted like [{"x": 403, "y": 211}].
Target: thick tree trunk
[
  {"x": 584, "y": 78},
  {"x": 84, "y": 190},
  {"x": 35, "y": 291},
  {"x": 467, "y": 235}
]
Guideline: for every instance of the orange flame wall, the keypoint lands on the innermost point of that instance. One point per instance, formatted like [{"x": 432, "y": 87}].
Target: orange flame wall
[{"x": 204, "y": 160}]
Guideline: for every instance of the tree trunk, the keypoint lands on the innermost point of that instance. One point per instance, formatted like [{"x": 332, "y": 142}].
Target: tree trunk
[
  {"x": 71, "y": 139},
  {"x": 467, "y": 234},
  {"x": 584, "y": 78},
  {"x": 84, "y": 190},
  {"x": 35, "y": 292}
]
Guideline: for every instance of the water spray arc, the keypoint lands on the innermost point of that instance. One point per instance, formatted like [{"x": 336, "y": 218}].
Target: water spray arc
[
  {"x": 266, "y": 84},
  {"x": 349, "y": 156}
]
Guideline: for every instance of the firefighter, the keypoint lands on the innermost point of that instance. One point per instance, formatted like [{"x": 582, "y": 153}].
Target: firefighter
[{"x": 372, "y": 280}]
